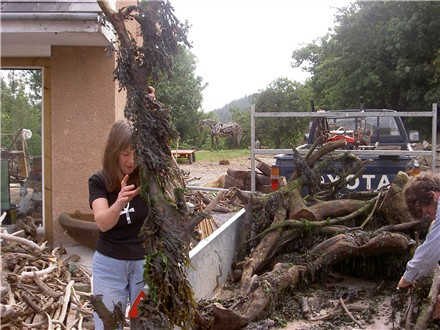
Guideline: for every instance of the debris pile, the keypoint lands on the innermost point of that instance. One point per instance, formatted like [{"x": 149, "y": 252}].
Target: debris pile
[
  {"x": 301, "y": 233},
  {"x": 40, "y": 287},
  {"x": 229, "y": 201}
]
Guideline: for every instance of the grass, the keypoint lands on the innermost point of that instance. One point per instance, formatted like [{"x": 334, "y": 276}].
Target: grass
[{"x": 216, "y": 155}]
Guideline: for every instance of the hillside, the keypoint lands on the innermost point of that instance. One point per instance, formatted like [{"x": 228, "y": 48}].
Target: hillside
[{"x": 223, "y": 114}]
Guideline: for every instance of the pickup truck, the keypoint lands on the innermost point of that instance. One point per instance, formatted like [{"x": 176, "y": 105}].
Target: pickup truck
[{"x": 362, "y": 133}]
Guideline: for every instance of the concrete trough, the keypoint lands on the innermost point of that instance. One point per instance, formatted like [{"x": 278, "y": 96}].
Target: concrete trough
[{"x": 212, "y": 258}]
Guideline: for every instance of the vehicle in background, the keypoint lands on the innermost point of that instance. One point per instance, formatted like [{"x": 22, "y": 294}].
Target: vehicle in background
[{"x": 360, "y": 133}]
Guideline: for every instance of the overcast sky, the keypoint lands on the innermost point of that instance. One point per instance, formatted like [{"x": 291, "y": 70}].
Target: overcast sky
[{"x": 243, "y": 45}]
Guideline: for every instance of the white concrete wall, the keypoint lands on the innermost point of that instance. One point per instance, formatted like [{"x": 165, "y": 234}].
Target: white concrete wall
[{"x": 211, "y": 259}]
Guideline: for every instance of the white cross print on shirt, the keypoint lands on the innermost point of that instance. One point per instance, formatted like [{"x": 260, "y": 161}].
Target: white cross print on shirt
[{"x": 127, "y": 211}]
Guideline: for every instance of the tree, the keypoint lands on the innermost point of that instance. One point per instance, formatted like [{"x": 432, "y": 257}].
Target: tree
[
  {"x": 387, "y": 52},
  {"x": 19, "y": 109},
  {"x": 243, "y": 118},
  {"x": 182, "y": 93},
  {"x": 282, "y": 95}
]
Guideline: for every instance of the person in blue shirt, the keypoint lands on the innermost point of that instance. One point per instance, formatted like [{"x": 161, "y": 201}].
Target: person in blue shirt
[{"x": 422, "y": 197}]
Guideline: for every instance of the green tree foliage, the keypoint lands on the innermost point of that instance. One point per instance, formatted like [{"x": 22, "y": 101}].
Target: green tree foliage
[
  {"x": 21, "y": 108},
  {"x": 282, "y": 95},
  {"x": 387, "y": 52},
  {"x": 243, "y": 118},
  {"x": 182, "y": 93}
]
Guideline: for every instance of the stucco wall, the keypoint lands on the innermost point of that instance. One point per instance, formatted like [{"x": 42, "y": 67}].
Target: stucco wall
[{"x": 83, "y": 110}]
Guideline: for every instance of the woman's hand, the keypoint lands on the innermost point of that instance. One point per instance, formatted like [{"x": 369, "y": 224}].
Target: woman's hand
[
  {"x": 403, "y": 284},
  {"x": 107, "y": 217},
  {"x": 127, "y": 193}
]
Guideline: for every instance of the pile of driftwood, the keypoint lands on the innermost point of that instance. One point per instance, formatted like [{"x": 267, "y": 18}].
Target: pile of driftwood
[{"x": 42, "y": 288}]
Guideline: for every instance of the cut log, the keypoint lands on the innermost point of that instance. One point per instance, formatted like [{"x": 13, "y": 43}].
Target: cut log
[
  {"x": 238, "y": 174},
  {"x": 323, "y": 210},
  {"x": 231, "y": 182},
  {"x": 335, "y": 208},
  {"x": 245, "y": 177},
  {"x": 263, "y": 167}
]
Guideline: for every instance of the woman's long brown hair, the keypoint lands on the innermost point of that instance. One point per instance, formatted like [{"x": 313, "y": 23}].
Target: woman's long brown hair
[{"x": 118, "y": 140}]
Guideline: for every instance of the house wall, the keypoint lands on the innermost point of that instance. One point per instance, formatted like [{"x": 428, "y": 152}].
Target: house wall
[
  {"x": 85, "y": 104},
  {"x": 81, "y": 102}
]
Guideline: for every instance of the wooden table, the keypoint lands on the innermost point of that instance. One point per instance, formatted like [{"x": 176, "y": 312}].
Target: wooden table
[{"x": 187, "y": 154}]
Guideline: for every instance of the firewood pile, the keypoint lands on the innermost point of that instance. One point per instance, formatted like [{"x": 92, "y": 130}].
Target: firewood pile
[
  {"x": 203, "y": 202},
  {"x": 229, "y": 201},
  {"x": 42, "y": 288},
  {"x": 241, "y": 179}
]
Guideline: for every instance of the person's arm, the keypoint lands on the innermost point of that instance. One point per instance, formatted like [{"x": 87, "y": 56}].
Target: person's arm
[
  {"x": 107, "y": 217},
  {"x": 425, "y": 258}
]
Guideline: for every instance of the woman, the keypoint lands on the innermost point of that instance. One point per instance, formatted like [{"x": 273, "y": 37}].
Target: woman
[
  {"x": 422, "y": 197},
  {"x": 119, "y": 212}
]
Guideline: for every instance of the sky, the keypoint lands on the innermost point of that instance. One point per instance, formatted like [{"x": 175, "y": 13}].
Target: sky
[{"x": 241, "y": 46}]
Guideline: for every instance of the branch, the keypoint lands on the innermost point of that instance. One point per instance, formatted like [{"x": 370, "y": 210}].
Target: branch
[
  {"x": 42, "y": 272},
  {"x": 348, "y": 312},
  {"x": 20, "y": 240},
  {"x": 400, "y": 227},
  {"x": 325, "y": 149},
  {"x": 317, "y": 142},
  {"x": 44, "y": 287},
  {"x": 310, "y": 225},
  {"x": 117, "y": 20}
]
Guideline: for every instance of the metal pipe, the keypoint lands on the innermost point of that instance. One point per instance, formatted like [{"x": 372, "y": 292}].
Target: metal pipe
[
  {"x": 253, "y": 188},
  {"x": 49, "y": 16},
  {"x": 434, "y": 136},
  {"x": 211, "y": 189},
  {"x": 355, "y": 152},
  {"x": 343, "y": 114}
]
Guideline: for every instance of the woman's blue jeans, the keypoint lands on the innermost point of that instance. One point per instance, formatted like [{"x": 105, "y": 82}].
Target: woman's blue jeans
[{"x": 117, "y": 281}]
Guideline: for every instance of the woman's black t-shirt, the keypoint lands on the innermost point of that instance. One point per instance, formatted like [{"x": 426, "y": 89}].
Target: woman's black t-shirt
[{"x": 122, "y": 241}]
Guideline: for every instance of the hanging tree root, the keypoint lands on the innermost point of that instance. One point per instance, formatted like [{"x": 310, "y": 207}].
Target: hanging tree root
[{"x": 168, "y": 229}]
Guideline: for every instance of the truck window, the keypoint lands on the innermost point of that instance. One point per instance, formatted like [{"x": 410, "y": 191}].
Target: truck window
[
  {"x": 383, "y": 126},
  {"x": 387, "y": 126}
]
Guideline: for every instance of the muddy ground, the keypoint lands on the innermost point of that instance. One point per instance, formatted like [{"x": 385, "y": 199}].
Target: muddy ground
[
  {"x": 326, "y": 312},
  {"x": 207, "y": 172}
]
